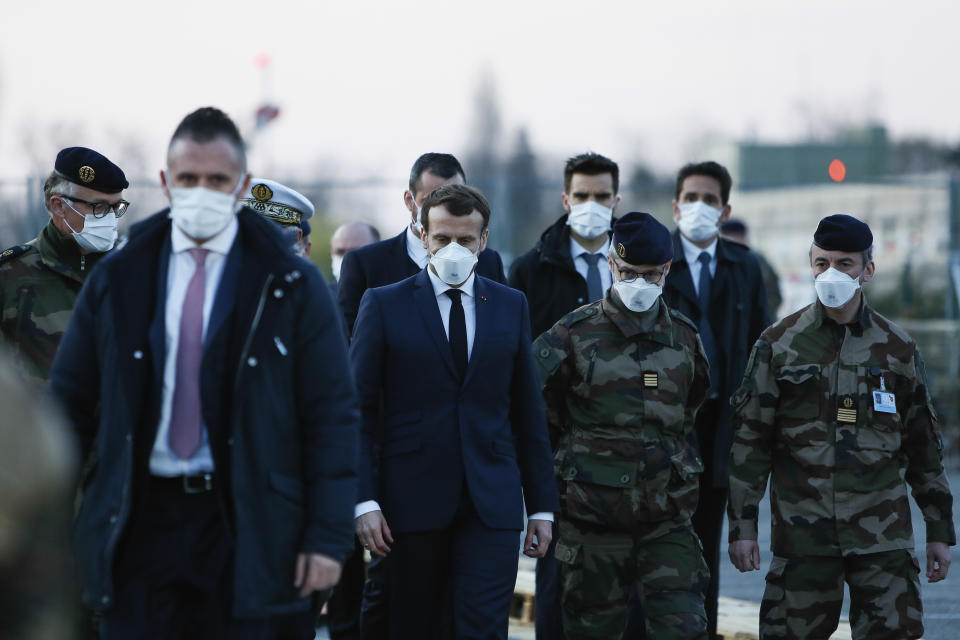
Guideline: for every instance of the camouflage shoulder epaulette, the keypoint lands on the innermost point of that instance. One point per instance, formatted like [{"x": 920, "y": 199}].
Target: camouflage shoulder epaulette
[
  {"x": 584, "y": 312},
  {"x": 676, "y": 315},
  {"x": 13, "y": 252}
]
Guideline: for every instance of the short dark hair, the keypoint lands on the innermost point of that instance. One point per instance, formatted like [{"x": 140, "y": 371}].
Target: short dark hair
[
  {"x": 208, "y": 123},
  {"x": 710, "y": 169},
  {"x": 591, "y": 164},
  {"x": 458, "y": 199},
  {"x": 440, "y": 164}
]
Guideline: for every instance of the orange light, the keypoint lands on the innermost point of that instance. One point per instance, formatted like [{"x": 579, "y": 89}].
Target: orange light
[{"x": 837, "y": 170}]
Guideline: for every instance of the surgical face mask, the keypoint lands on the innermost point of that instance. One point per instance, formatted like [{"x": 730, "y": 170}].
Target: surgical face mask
[
  {"x": 590, "y": 219},
  {"x": 335, "y": 263},
  {"x": 638, "y": 295},
  {"x": 698, "y": 220},
  {"x": 202, "y": 213},
  {"x": 98, "y": 234},
  {"x": 417, "y": 227},
  {"x": 453, "y": 263},
  {"x": 835, "y": 288}
]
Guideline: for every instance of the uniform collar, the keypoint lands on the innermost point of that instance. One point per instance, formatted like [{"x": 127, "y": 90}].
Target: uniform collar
[
  {"x": 655, "y": 322},
  {"x": 62, "y": 254}
]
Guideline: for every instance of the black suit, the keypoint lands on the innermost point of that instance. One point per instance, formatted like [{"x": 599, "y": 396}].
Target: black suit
[
  {"x": 386, "y": 262},
  {"x": 738, "y": 314}
]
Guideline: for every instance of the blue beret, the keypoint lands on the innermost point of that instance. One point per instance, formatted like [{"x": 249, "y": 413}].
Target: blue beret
[
  {"x": 305, "y": 227},
  {"x": 843, "y": 233},
  {"x": 90, "y": 169},
  {"x": 640, "y": 239}
]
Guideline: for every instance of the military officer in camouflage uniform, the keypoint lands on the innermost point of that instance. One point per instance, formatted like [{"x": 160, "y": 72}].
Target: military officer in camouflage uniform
[
  {"x": 40, "y": 280},
  {"x": 834, "y": 404},
  {"x": 623, "y": 378}
]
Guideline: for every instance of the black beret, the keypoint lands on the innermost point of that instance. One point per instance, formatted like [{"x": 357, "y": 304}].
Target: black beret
[
  {"x": 90, "y": 169},
  {"x": 843, "y": 233},
  {"x": 638, "y": 238},
  {"x": 305, "y": 227}
]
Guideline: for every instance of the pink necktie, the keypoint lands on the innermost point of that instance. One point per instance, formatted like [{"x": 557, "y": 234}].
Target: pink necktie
[{"x": 186, "y": 420}]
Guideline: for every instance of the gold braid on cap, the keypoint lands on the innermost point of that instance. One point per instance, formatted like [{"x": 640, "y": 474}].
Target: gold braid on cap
[{"x": 275, "y": 211}]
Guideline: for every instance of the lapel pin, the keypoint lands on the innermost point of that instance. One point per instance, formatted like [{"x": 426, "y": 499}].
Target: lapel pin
[{"x": 484, "y": 298}]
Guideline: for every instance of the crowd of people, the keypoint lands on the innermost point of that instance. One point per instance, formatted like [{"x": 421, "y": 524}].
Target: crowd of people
[{"x": 254, "y": 443}]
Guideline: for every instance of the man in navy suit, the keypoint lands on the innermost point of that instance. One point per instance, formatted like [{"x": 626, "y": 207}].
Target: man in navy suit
[
  {"x": 206, "y": 378},
  {"x": 454, "y": 436},
  {"x": 403, "y": 255}
]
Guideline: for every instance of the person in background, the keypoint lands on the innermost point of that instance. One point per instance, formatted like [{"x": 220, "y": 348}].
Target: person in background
[
  {"x": 835, "y": 408},
  {"x": 306, "y": 244},
  {"x": 717, "y": 284},
  {"x": 736, "y": 230},
  {"x": 40, "y": 280},
  {"x": 288, "y": 208},
  {"x": 347, "y": 237},
  {"x": 205, "y": 371}
]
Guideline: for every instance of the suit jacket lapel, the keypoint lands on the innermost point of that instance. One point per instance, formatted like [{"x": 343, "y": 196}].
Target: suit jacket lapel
[
  {"x": 426, "y": 303},
  {"x": 158, "y": 325},
  {"x": 226, "y": 296},
  {"x": 484, "y": 318}
]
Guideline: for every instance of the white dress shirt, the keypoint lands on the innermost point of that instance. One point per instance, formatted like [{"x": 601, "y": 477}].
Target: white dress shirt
[
  {"x": 691, "y": 253},
  {"x": 163, "y": 461},
  {"x": 415, "y": 249},
  {"x": 606, "y": 278},
  {"x": 444, "y": 302}
]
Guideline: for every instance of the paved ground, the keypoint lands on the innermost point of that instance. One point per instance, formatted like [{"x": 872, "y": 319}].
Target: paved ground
[{"x": 941, "y": 601}]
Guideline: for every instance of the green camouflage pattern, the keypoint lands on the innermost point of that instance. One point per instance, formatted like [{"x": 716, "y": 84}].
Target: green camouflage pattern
[
  {"x": 622, "y": 390},
  {"x": 600, "y": 569},
  {"x": 805, "y": 413},
  {"x": 804, "y": 596},
  {"x": 39, "y": 283}
]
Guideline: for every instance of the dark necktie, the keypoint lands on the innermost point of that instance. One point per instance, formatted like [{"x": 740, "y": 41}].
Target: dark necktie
[
  {"x": 186, "y": 419},
  {"x": 458, "y": 332},
  {"x": 706, "y": 331},
  {"x": 594, "y": 284}
]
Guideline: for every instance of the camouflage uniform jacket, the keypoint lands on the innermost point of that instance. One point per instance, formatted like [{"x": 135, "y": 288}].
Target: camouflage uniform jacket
[
  {"x": 622, "y": 390},
  {"x": 39, "y": 283},
  {"x": 806, "y": 413}
]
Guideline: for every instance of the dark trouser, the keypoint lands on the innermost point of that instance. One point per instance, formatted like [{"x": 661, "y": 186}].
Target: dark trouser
[
  {"x": 343, "y": 608},
  {"x": 173, "y": 575},
  {"x": 711, "y": 508},
  {"x": 373, "y": 611},
  {"x": 475, "y": 565}
]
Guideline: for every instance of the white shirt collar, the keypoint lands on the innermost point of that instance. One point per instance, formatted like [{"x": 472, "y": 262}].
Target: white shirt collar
[
  {"x": 415, "y": 249},
  {"x": 691, "y": 252},
  {"x": 576, "y": 248},
  {"x": 219, "y": 243},
  {"x": 439, "y": 286}
]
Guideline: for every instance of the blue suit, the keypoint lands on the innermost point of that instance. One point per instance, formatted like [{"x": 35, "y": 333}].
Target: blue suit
[{"x": 435, "y": 447}]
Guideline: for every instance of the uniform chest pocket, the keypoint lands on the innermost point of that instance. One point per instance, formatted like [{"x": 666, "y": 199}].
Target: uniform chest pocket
[
  {"x": 881, "y": 428},
  {"x": 800, "y": 394}
]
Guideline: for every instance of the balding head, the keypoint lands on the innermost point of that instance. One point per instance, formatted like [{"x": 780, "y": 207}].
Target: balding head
[{"x": 348, "y": 237}]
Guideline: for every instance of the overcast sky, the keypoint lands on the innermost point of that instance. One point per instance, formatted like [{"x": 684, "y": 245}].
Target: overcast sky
[{"x": 365, "y": 87}]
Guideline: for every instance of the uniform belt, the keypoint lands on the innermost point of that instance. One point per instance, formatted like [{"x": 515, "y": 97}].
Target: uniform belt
[{"x": 197, "y": 483}]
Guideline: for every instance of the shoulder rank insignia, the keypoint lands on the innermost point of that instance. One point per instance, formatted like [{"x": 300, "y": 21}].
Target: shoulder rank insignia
[
  {"x": 651, "y": 380},
  {"x": 13, "y": 252},
  {"x": 847, "y": 414}
]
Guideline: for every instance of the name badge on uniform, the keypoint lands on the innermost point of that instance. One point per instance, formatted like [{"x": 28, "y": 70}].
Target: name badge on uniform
[
  {"x": 883, "y": 400},
  {"x": 650, "y": 380}
]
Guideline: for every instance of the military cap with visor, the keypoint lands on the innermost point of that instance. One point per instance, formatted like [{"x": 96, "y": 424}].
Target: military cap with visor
[{"x": 278, "y": 202}]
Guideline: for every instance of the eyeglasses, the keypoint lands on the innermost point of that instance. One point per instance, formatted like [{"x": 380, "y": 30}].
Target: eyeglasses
[
  {"x": 100, "y": 209},
  {"x": 628, "y": 275}
]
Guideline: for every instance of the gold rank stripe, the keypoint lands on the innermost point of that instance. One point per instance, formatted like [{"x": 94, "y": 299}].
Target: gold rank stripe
[
  {"x": 651, "y": 380},
  {"x": 846, "y": 415}
]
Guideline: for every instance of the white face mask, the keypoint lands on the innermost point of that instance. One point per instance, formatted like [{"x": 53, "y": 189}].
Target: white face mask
[
  {"x": 835, "y": 288},
  {"x": 335, "y": 263},
  {"x": 98, "y": 234},
  {"x": 698, "y": 220},
  {"x": 202, "y": 213},
  {"x": 638, "y": 295},
  {"x": 590, "y": 219},
  {"x": 454, "y": 263},
  {"x": 417, "y": 227}
]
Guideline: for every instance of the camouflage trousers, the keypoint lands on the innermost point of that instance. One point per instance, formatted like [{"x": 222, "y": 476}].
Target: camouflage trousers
[
  {"x": 600, "y": 568},
  {"x": 804, "y": 595}
]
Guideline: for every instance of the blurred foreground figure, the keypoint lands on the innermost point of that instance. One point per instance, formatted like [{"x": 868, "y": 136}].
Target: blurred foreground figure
[
  {"x": 834, "y": 405},
  {"x": 37, "y": 478},
  {"x": 717, "y": 284},
  {"x": 40, "y": 280},
  {"x": 623, "y": 378},
  {"x": 205, "y": 371},
  {"x": 737, "y": 231}
]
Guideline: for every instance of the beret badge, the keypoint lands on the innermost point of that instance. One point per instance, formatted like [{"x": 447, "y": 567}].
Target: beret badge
[
  {"x": 621, "y": 250},
  {"x": 86, "y": 173},
  {"x": 262, "y": 192}
]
